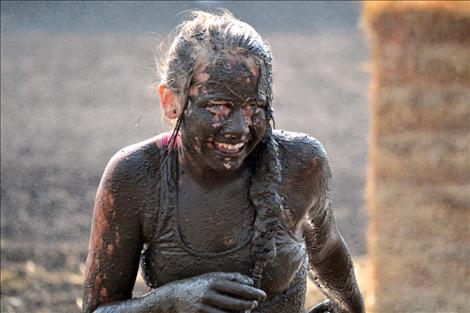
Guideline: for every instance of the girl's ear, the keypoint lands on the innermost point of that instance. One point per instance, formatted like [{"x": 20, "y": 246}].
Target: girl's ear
[{"x": 169, "y": 102}]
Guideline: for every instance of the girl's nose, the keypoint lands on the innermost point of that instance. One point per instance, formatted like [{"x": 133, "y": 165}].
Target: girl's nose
[{"x": 235, "y": 126}]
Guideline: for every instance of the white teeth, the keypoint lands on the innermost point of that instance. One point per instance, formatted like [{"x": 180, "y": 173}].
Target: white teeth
[{"x": 229, "y": 147}]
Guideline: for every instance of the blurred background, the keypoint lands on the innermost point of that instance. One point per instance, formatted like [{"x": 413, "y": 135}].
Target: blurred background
[{"x": 76, "y": 83}]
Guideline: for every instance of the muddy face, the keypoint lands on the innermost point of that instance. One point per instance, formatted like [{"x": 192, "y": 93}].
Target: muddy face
[{"x": 225, "y": 118}]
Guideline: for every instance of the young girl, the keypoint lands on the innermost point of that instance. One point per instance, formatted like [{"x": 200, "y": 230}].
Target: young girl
[{"x": 224, "y": 213}]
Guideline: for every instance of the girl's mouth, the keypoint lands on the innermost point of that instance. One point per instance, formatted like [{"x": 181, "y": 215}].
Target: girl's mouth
[{"x": 227, "y": 148}]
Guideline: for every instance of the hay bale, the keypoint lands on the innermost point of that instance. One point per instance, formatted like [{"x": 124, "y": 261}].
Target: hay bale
[
  {"x": 422, "y": 109},
  {"x": 422, "y": 157},
  {"x": 418, "y": 192}
]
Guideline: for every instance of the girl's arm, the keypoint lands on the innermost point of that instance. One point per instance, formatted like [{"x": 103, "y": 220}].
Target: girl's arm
[
  {"x": 329, "y": 258},
  {"x": 116, "y": 240}
]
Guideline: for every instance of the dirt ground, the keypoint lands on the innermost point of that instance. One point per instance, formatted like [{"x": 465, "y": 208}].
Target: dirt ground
[{"x": 68, "y": 102}]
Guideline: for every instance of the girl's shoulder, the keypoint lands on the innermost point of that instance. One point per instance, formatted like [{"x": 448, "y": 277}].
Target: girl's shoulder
[
  {"x": 305, "y": 166},
  {"x": 299, "y": 146},
  {"x": 138, "y": 157},
  {"x": 146, "y": 149}
]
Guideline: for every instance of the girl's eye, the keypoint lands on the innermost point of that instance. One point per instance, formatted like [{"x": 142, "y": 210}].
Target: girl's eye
[
  {"x": 254, "y": 107},
  {"x": 218, "y": 107},
  {"x": 249, "y": 109}
]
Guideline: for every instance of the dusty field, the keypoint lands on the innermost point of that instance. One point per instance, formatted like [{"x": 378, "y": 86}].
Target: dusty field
[{"x": 68, "y": 102}]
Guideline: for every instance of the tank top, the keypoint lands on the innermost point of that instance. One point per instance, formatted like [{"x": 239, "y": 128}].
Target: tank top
[{"x": 167, "y": 258}]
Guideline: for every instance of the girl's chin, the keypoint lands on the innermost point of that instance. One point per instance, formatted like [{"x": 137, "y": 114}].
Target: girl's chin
[{"x": 224, "y": 164}]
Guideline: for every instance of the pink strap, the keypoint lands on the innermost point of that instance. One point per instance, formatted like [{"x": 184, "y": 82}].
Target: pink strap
[{"x": 164, "y": 139}]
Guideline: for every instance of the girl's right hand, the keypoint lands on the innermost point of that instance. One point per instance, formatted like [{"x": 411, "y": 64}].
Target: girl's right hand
[{"x": 217, "y": 293}]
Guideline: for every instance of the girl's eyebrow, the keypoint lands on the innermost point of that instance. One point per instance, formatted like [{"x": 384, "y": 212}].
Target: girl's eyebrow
[
  {"x": 219, "y": 101},
  {"x": 250, "y": 100}
]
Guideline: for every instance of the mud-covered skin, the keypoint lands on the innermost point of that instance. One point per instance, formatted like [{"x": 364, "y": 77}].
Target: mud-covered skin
[
  {"x": 224, "y": 107},
  {"x": 126, "y": 201}
]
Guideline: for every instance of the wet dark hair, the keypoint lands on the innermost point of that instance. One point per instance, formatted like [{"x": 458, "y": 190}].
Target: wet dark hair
[{"x": 202, "y": 36}]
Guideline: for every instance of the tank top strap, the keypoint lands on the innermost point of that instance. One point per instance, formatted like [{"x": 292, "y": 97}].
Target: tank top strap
[
  {"x": 168, "y": 181},
  {"x": 166, "y": 186}
]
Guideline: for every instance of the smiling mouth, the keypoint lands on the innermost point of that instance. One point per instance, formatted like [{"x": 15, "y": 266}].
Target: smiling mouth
[{"x": 228, "y": 148}]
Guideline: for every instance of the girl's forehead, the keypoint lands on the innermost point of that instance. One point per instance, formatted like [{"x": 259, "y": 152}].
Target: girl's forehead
[
  {"x": 225, "y": 73},
  {"x": 224, "y": 63}
]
